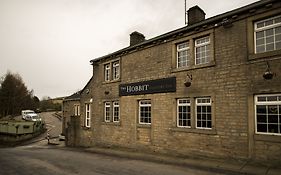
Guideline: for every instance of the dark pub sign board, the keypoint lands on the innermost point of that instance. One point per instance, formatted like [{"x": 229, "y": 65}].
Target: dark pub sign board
[{"x": 148, "y": 87}]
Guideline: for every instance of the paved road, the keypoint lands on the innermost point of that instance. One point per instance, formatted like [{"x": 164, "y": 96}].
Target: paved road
[
  {"x": 46, "y": 160},
  {"x": 39, "y": 158},
  {"x": 54, "y": 127}
]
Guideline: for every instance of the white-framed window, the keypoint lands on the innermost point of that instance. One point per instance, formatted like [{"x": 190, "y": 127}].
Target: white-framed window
[
  {"x": 202, "y": 50},
  {"x": 88, "y": 115},
  {"x": 145, "y": 111},
  {"x": 183, "y": 57},
  {"x": 203, "y": 113},
  {"x": 183, "y": 113},
  {"x": 268, "y": 34},
  {"x": 76, "y": 110},
  {"x": 116, "y": 111},
  {"x": 107, "y": 72},
  {"x": 107, "y": 111},
  {"x": 268, "y": 114},
  {"x": 116, "y": 70}
]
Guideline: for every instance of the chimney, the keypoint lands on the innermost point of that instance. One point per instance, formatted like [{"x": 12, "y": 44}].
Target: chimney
[
  {"x": 136, "y": 38},
  {"x": 195, "y": 15}
]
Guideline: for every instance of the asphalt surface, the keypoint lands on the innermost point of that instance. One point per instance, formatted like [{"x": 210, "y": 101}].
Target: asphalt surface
[
  {"x": 48, "y": 159},
  {"x": 40, "y": 158}
]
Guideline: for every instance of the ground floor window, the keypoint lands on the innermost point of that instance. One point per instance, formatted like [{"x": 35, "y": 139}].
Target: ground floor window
[
  {"x": 194, "y": 113},
  {"x": 111, "y": 111},
  {"x": 183, "y": 112},
  {"x": 145, "y": 111},
  {"x": 115, "y": 111},
  {"x": 268, "y": 114},
  {"x": 88, "y": 115},
  {"x": 76, "y": 110},
  {"x": 203, "y": 113},
  {"x": 107, "y": 111}
]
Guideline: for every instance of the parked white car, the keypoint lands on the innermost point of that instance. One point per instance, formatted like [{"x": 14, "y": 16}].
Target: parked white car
[{"x": 30, "y": 115}]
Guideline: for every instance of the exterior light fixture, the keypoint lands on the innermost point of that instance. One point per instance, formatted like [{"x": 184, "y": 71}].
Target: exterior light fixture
[
  {"x": 188, "y": 80},
  {"x": 268, "y": 75}
]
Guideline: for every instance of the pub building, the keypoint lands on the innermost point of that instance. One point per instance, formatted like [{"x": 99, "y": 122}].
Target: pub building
[{"x": 211, "y": 88}]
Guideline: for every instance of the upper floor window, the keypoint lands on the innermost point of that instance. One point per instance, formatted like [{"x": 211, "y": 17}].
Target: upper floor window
[
  {"x": 183, "y": 54},
  {"x": 268, "y": 35},
  {"x": 115, "y": 70},
  {"x": 202, "y": 50},
  {"x": 112, "y": 71},
  {"x": 268, "y": 114},
  {"x": 107, "y": 72}
]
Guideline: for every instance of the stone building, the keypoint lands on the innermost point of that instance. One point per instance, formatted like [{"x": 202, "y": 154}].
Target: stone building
[{"x": 211, "y": 88}]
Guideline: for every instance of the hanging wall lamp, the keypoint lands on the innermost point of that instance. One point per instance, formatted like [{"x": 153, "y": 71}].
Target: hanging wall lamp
[
  {"x": 268, "y": 75},
  {"x": 188, "y": 80}
]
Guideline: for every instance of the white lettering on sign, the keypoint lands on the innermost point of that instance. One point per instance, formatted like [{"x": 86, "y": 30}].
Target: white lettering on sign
[{"x": 137, "y": 88}]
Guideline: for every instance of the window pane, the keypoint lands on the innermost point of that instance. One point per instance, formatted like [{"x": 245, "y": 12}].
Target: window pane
[
  {"x": 269, "y": 39},
  {"x": 278, "y": 38},
  {"x": 262, "y": 127},
  {"x": 261, "y": 119},
  {"x": 269, "y": 47},
  {"x": 269, "y": 22},
  {"x": 209, "y": 124},
  {"x": 261, "y": 109},
  {"x": 278, "y": 30},
  {"x": 204, "y": 124},
  {"x": 273, "y": 119},
  {"x": 272, "y": 109},
  {"x": 277, "y": 20},
  {"x": 278, "y": 45},
  {"x": 260, "y": 41},
  {"x": 273, "y": 128},
  {"x": 204, "y": 117},
  {"x": 260, "y": 48},
  {"x": 204, "y": 109},
  {"x": 260, "y": 24},
  {"x": 269, "y": 32},
  {"x": 261, "y": 98},
  {"x": 209, "y": 117},
  {"x": 260, "y": 35}
]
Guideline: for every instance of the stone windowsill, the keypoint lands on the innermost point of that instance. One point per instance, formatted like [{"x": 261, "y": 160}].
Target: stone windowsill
[{"x": 193, "y": 130}]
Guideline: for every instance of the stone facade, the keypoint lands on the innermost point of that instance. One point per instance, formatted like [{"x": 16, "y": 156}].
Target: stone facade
[{"x": 231, "y": 80}]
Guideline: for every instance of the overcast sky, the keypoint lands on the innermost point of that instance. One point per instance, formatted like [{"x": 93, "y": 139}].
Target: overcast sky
[{"x": 50, "y": 42}]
